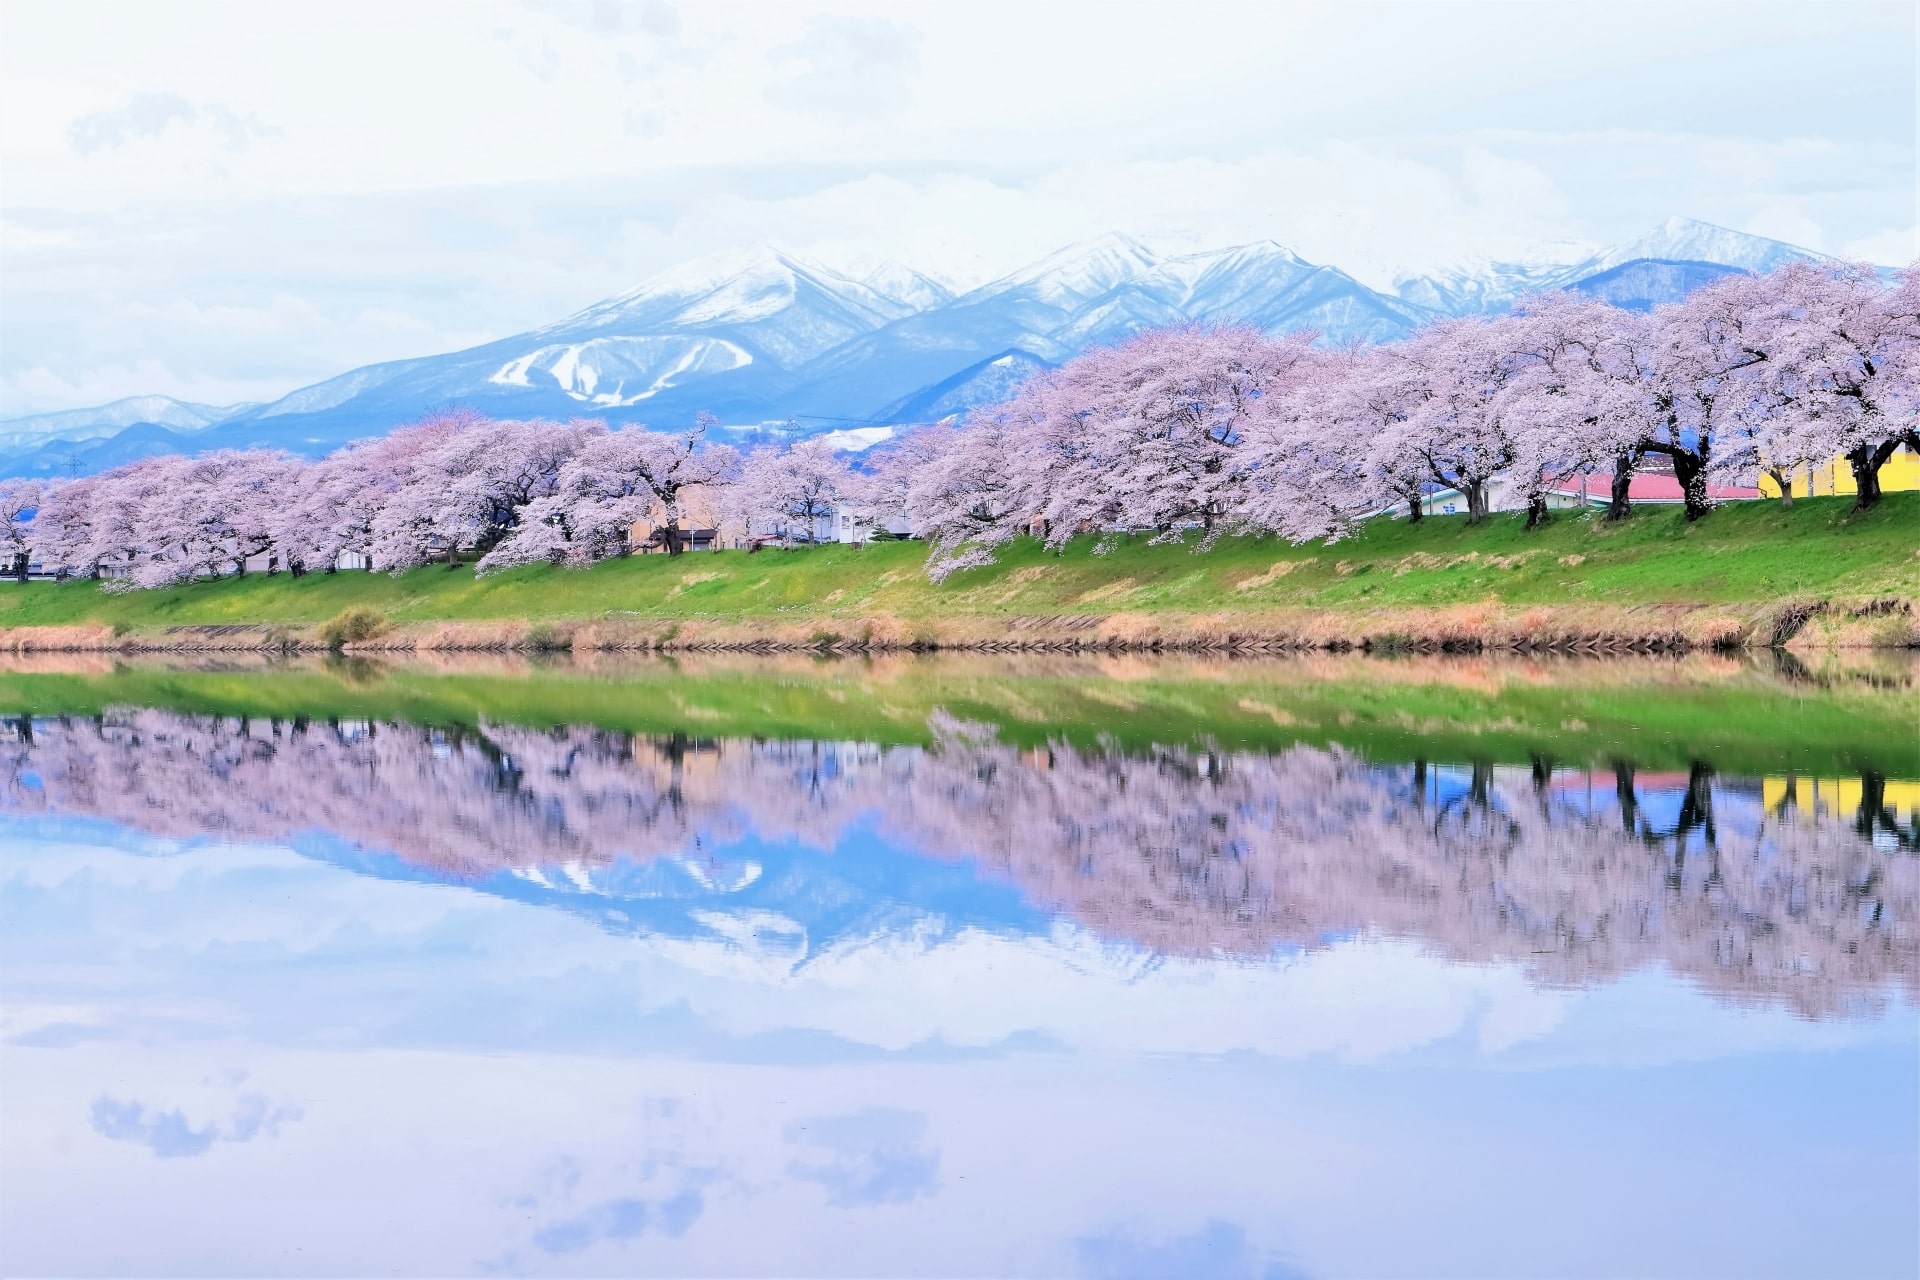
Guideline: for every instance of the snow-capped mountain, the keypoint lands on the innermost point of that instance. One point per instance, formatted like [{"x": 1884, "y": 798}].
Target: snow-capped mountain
[
  {"x": 1689, "y": 240},
  {"x": 108, "y": 419},
  {"x": 1083, "y": 296},
  {"x": 762, "y": 336},
  {"x": 1482, "y": 288},
  {"x": 1664, "y": 265}
]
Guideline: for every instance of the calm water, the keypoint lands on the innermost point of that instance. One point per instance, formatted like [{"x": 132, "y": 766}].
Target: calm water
[{"x": 305, "y": 973}]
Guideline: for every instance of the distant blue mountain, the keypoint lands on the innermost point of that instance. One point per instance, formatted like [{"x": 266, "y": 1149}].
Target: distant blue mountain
[
  {"x": 84, "y": 457},
  {"x": 989, "y": 382},
  {"x": 1645, "y": 283},
  {"x": 762, "y": 338}
]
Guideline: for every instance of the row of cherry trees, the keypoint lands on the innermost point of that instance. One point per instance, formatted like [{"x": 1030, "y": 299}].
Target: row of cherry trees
[
  {"x": 1226, "y": 430},
  {"x": 455, "y": 484},
  {"x": 1183, "y": 431}
]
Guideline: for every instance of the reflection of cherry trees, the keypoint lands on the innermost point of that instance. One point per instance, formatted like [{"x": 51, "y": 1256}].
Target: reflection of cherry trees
[{"x": 1576, "y": 877}]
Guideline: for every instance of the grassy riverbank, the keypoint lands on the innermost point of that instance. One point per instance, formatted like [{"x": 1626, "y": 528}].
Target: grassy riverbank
[
  {"x": 1736, "y": 714},
  {"x": 1750, "y": 557}
]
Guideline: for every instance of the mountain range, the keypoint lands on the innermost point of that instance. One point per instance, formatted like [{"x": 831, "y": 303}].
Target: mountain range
[{"x": 767, "y": 340}]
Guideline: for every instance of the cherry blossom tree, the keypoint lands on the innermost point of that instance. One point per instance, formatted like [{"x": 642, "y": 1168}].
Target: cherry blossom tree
[
  {"x": 340, "y": 498},
  {"x": 18, "y": 500},
  {"x": 468, "y": 491},
  {"x": 789, "y": 492},
  {"x": 614, "y": 481},
  {"x": 1456, "y": 423},
  {"x": 1157, "y": 426},
  {"x": 1840, "y": 354},
  {"x": 1576, "y": 399},
  {"x": 967, "y": 490},
  {"x": 1700, "y": 361},
  {"x": 1307, "y": 467}
]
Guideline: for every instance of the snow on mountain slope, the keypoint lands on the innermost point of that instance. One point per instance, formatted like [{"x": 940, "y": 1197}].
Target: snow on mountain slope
[
  {"x": 1076, "y": 275},
  {"x": 1481, "y": 289},
  {"x": 616, "y": 372},
  {"x": 1689, "y": 240},
  {"x": 1692, "y": 251},
  {"x": 763, "y": 336},
  {"x": 788, "y": 309},
  {"x": 107, "y": 419},
  {"x": 1089, "y": 294},
  {"x": 896, "y": 283}
]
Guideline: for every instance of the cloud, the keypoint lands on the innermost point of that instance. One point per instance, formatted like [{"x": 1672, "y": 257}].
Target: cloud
[
  {"x": 877, "y": 1156},
  {"x": 166, "y": 1133},
  {"x": 656, "y": 18},
  {"x": 1785, "y": 222},
  {"x": 145, "y": 115},
  {"x": 150, "y": 113},
  {"x": 849, "y": 67},
  {"x": 1894, "y": 247},
  {"x": 1218, "y": 1251},
  {"x": 169, "y": 1134},
  {"x": 627, "y": 1218}
]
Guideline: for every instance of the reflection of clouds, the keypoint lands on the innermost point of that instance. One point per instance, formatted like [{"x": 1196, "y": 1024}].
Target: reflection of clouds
[
  {"x": 627, "y": 1218},
  {"x": 1218, "y": 1251},
  {"x": 874, "y": 1156},
  {"x": 168, "y": 1133}
]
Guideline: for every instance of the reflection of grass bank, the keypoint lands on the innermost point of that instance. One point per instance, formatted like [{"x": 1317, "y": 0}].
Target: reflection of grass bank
[
  {"x": 1739, "y": 567},
  {"x": 1735, "y": 715}
]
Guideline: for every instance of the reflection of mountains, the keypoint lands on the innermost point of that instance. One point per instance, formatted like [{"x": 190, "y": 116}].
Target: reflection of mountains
[{"x": 1781, "y": 890}]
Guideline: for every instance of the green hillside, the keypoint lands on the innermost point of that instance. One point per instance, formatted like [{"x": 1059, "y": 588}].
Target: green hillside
[{"x": 1742, "y": 554}]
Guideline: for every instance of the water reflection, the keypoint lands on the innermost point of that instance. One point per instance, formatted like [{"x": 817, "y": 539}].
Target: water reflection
[{"x": 1798, "y": 891}]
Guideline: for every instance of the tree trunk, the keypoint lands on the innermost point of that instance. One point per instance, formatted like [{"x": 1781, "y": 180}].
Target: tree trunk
[
  {"x": 1620, "y": 504},
  {"x": 1696, "y": 809},
  {"x": 1625, "y": 796},
  {"x": 1414, "y": 509},
  {"x": 1785, "y": 482},
  {"x": 1691, "y": 472},
  {"x": 1866, "y": 462},
  {"x": 1537, "y": 512},
  {"x": 1476, "y": 501},
  {"x": 671, "y": 533}
]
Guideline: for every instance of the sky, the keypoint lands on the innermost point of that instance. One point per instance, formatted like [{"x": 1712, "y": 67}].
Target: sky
[{"x": 223, "y": 202}]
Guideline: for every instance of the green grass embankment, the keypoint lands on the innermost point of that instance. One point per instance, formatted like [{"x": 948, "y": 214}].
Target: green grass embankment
[
  {"x": 1747, "y": 716},
  {"x": 1748, "y": 558}
]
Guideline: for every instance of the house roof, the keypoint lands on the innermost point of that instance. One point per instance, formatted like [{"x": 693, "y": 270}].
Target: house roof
[{"x": 1654, "y": 486}]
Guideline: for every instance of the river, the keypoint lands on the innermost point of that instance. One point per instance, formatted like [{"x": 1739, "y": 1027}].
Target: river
[{"x": 1104, "y": 967}]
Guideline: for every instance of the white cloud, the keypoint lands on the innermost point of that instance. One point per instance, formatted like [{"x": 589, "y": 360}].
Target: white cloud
[
  {"x": 149, "y": 114},
  {"x": 1896, "y": 246},
  {"x": 1785, "y": 222},
  {"x": 847, "y": 67},
  {"x": 492, "y": 167},
  {"x": 144, "y": 115}
]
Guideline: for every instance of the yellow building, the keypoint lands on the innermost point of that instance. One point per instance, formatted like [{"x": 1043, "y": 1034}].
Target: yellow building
[
  {"x": 1809, "y": 798},
  {"x": 1901, "y": 473}
]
